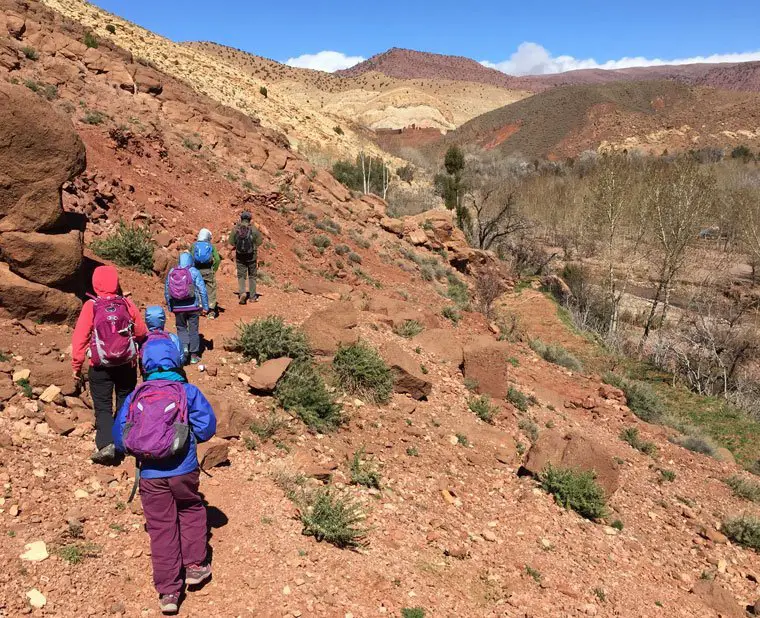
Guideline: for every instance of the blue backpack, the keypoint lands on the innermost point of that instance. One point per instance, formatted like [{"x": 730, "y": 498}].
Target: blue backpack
[{"x": 203, "y": 253}]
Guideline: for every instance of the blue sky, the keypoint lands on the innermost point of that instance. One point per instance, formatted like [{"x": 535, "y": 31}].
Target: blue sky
[{"x": 561, "y": 35}]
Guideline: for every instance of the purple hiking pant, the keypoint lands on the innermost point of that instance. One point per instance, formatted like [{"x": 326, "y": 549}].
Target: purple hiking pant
[{"x": 176, "y": 522}]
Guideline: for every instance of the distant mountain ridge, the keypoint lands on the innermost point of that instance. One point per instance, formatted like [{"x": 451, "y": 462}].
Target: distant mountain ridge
[{"x": 410, "y": 64}]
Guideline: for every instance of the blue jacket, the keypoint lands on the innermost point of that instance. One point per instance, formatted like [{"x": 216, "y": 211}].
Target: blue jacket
[
  {"x": 200, "y": 301},
  {"x": 200, "y": 415},
  {"x": 155, "y": 320}
]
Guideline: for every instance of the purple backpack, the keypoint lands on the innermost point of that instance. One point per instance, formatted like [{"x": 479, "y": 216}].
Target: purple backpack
[
  {"x": 156, "y": 426},
  {"x": 181, "y": 286},
  {"x": 112, "y": 342}
]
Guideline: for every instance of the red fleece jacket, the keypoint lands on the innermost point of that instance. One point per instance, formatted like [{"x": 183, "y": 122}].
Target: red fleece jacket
[{"x": 105, "y": 282}]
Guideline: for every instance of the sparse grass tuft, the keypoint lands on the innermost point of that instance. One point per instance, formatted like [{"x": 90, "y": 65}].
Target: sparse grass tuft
[
  {"x": 94, "y": 117},
  {"x": 409, "y": 329},
  {"x": 667, "y": 475},
  {"x": 462, "y": 440},
  {"x": 529, "y": 428},
  {"x": 321, "y": 242},
  {"x": 520, "y": 400},
  {"x": 575, "y": 489},
  {"x": 30, "y": 53},
  {"x": 450, "y": 313},
  {"x": 361, "y": 371},
  {"x": 26, "y": 387},
  {"x": 90, "y": 40},
  {"x": 744, "y": 488},
  {"x": 534, "y": 573},
  {"x": 267, "y": 427},
  {"x": 412, "y": 612},
  {"x": 744, "y": 530},
  {"x": 363, "y": 473},
  {"x": 75, "y": 553},
  {"x": 482, "y": 408},
  {"x": 632, "y": 437},
  {"x": 269, "y": 338},
  {"x": 130, "y": 246},
  {"x": 642, "y": 400},
  {"x": 555, "y": 353},
  {"x": 697, "y": 444}
]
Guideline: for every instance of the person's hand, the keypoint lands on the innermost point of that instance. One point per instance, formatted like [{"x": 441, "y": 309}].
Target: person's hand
[{"x": 204, "y": 313}]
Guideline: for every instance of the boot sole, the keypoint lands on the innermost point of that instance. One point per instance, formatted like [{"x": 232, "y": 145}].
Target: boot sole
[{"x": 194, "y": 581}]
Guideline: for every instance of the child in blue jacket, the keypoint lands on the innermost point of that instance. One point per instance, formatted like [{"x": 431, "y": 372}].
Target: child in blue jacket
[
  {"x": 186, "y": 311},
  {"x": 174, "y": 511}
]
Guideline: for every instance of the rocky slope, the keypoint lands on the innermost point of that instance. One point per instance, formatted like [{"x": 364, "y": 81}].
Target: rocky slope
[{"x": 454, "y": 527}]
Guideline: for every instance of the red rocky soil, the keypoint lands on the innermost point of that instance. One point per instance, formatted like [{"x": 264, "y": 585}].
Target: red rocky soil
[{"x": 453, "y": 528}]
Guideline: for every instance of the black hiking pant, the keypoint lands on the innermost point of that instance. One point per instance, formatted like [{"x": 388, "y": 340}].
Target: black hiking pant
[{"x": 104, "y": 381}]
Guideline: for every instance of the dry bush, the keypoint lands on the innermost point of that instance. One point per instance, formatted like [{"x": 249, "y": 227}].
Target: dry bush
[{"x": 489, "y": 286}]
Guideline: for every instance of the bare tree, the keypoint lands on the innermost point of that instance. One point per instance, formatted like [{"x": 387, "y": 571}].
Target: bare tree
[
  {"x": 493, "y": 214},
  {"x": 677, "y": 198}
]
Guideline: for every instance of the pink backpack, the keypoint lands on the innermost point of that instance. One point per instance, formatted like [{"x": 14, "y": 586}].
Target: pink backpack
[{"x": 112, "y": 342}]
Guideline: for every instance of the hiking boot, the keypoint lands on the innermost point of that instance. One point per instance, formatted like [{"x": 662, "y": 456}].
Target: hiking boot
[
  {"x": 243, "y": 299},
  {"x": 194, "y": 359},
  {"x": 105, "y": 456},
  {"x": 197, "y": 574},
  {"x": 169, "y": 603}
]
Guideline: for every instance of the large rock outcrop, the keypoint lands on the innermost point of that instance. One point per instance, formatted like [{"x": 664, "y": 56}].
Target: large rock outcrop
[{"x": 39, "y": 151}]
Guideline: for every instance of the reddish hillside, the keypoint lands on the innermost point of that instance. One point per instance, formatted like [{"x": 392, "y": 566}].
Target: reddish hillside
[
  {"x": 410, "y": 64},
  {"x": 647, "y": 115}
]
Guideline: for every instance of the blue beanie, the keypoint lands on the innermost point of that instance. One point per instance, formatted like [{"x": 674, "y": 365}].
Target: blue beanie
[{"x": 155, "y": 317}]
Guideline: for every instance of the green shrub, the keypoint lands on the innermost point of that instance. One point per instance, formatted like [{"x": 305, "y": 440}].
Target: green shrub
[
  {"x": 269, "y": 338},
  {"x": 412, "y": 612},
  {"x": 363, "y": 473},
  {"x": 412, "y": 451},
  {"x": 26, "y": 387},
  {"x": 457, "y": 291},
  {"x": 409, "y": 329},
  {"x": 361, "y": 371},
  {"x": 632, "y": 437},
  {"x": 333, "y": 518},
  {"x": 744, "y": 488},
  {"x": 342, "y": 249},
  {"x": 90, "y": 40},
  {"x": 264, "y": 92},
  {"x": 94, "y": 117},
  {"x": 338, "y": 130},
  {"x": 697, "y": 444},
  {"x": 667, "y": 475},
  {"x": 617, "y": 524},
  {"x": 129, "y": 245},
  {"x": 354, "y": 258},
  {"x": 556, "y": 354},
  {"x": 328, "y": 225},
  {"x": 77, "y": 552},
  {"x": 321, "y": 242},
  {"x": 642, "y": 400},
  {"x": 351, "y": 174},
  {"x": 529, "y": 427},
  {"x": 462, "y": 439},
  {"x": 520, "y": 400},
  {"x": 111, "y": 28},
  {"x": 576, "y": 490},
  {"x": 192, "y": 143},
  {"x": 450, "y": 313},
  {"x": 30, "y": 53},
  {"x": 744, "y": 530},
  {"x": 482, "y": 408},
  {"x": 302, "y": 390},
  {"x": 534, "y": 573},
  {"x": 405, "y": 173}
]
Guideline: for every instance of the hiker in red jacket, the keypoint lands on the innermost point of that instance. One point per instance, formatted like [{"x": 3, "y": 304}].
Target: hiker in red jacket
[{"x": 107, "y": 332}]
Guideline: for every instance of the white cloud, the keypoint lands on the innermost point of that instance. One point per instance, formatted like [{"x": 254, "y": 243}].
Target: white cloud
[
  {"x": 534, "y": 59},
  {"x": 329, "y": 61}
]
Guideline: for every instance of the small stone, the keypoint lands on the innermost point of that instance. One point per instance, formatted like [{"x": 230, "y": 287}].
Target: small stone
[
  {"x": 21, "y": 374},
  {"x": 35, "y": 551},
  {"x": 14, "y": 510},
  {"x": 50, "y": 393},
  {"x": 81, "y": 494},
  {"x": 212, "y": 371},
  {"x": 610, "y": 531},
  {"x": 286, "y": 590},
  {"x": 244, "y": 378},
  {"x": 488, "y": 535},
  {"x": 546, "y": 543},
  {"x": 36, "y": 599},
  {"x": 118, "y": 608},
  {"x": 722, "y": 566}
]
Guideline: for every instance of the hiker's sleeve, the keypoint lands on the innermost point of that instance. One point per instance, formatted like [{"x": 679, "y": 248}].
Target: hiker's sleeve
[
  {"x": 233, "y": 237},
  {"x": 201, "y": 414},
  {"x": 176, "y": 341},
  {"x": 81, "y": 337},
  {"x": 166, "y": 293},
  {"x": 141, "y": 330},
  {"x": 258, "y": 238},
  {"x": 118, "y": 425},
  {"x": 217, "y": 258},
  {"x": 200, "y": 285}
]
